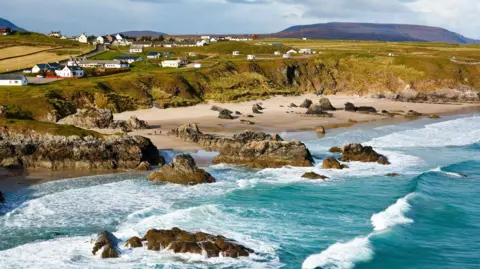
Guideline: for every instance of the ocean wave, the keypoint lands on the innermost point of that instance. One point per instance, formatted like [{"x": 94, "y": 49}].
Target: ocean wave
[
  {"x": 346, "y": 255},
  {"x": 439, "y": 170},
  {"x": 458, "y": 132}
]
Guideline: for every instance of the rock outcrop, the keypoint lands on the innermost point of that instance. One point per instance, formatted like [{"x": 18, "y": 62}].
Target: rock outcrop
[
  {"x": 433, "y": 116},
  {"x": 102, "y": 119},
  {"x": 225, "y": 114},
  {"x": 320, "y": 130},
  {"x": 316, "y": 110},
  {"x": 134, "y": 242},
  {"x": 335, "y": 150},
  {"x": 183, "y": 170},
  {"x": 108, "y": 244},
  {"x": 254, "y": 149},
  {"x": 359, "y": 153},
  {"x": 332, "y": 163},
  {"x": 313, "y": 175},
  {"x": 365, "y": 109},
  {"x": 180, "y": 241},
  {"x": 325, "y": 105},
  {"x": 413, "y": 114},
  {"x": 33, "y": 150},
  {"x": 306, "y": 104}
]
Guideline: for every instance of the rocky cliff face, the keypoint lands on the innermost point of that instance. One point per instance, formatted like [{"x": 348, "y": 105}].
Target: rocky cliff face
[
  {"x": 102, "y": 119},
  {"x": 34, "y": 150},
  {"x": 254, "y": 149}
]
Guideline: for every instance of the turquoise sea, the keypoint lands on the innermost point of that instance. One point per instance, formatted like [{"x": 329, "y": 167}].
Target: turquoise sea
[{"x": 427, "y": 218}]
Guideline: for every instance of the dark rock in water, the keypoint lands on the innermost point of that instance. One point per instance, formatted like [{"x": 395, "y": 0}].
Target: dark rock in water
[
  {"x": 393, "y": 175},
  {"x": 366, "y": 109},
  {"x": 247, "y": 122},
  {"x": 180, "y": 241},
  {"x": 225, "y": 114},
  {"x": 34, "y": 150},
  {"x": 350, "y": 107},
  {"x": 306, "y": 104},
  {"x": 413, "y": 114},
  {"x": 293, "y": 105},
  {"x": 134, "y": 242},
  {"x": 183, "y": 170},
  {"x": 433, "y": 116},
  {"x": 2, "y": 198},
  {"x": 144, "y": 166},
  {"x": 254, "y": 149},
  {"x": 332, "y": 163},
  {"x": 325, "y": 105},
  {"x": 359, "y": 153},
  {"x": 313, "y": 175},
  {"x": 320, "y": 130},
  {"x": 109, "y": 245},
  {"x": 335, "y": 150},
  {"x": 316, "y": 110}
]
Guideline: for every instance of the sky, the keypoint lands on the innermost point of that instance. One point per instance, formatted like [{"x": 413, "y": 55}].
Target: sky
[{"x": 73, "y": 17}]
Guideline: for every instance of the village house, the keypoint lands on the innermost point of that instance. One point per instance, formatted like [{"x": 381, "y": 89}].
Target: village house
[
  {"x": 286, "y": 56},
  {"x": 55, "y": 34},
  {"x": 171, "y": 63},
  {"x": 13, "y": 80},
  {"x": 144, "y": 44},
  {"x": 205, "y": 37},
  {"x": 64, "y": 37},
  {"x": 154, "y": 55},
  {"x": 187, "y": 44},
  {"x": 128, "y": 59},
  {"x": 213, "y": 40},
  {"x": 197, "y": 65},
  {"x": 305, "y": 51},
  {"x": 250, "y": 57},
  {"x": 66, "y": 71},
  {"x": 5, "y": 30},
  {"x": 136, "y": 49},
  {"x": 201, "y": 43},
  {"x": 110, "y": 38},
  {"x": 83, "y": 39},
  {"x": 236, "y": 53},
  {"x": 44, "y": 67},
  {"x": 102, "y": 40},
  {"x": 169, "y": 44},
  {"x": 277, "y": 53},
  {"x": 292, "y": 51}
]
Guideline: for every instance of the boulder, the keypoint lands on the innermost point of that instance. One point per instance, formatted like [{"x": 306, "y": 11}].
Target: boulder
[
  {"x": 134, "y": 242},
  {"x": 393, "y": 175},
  {"x": 256, "y": 111},
  {"x": 316, "y": 110},
  {"x": 144, "y": 166},
  {"x": 313, "y": 175},
  {"x": 325, "y": 105},
  {"x": 254, "y": 149},
  {"x": 238, "y": 113},
  {"x": 247, "y": 122},
  {"x": 335, "y": 150},
  {"x": 108, "y": 244},
  {"x": 225, "y": 114},
  {"x": 359, "y": 153},
  {"x": 180, "y": 241},
  {"x": 413, "y": 114},
  {"x": 2, "y": 198},
  {"x": 350, "y": 107},
  {"x": 320, "y": 130},
  {"x": 332, "y": 163},
  {"x": 257, "y": 107},
  {"x": 306, "y": 104},
  {"x": 183, "y": 170},
  {"x": 217, "y": 108},
  {"x": 33, "y": 150},
  {"x": 90, "y": 118},
  {"x": 292, "y": 105},
  {"x": 433, "y": 116},
  {"x": 366, "y": 109},
  {"x": 135, "y": 124}
]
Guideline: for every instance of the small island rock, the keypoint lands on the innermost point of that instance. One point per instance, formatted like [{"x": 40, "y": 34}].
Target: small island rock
[{"x": 183, "y": 170}]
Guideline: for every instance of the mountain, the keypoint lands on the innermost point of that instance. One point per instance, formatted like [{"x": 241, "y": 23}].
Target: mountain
[
  {"x": 142, "y": 33},
  {"x": 6, "y": 23},
  {"x": 373, "y": 31}
]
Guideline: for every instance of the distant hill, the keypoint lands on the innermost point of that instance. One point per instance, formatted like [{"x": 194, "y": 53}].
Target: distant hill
[
  {"x": 6, "y": 23},
  {"x": 142, "y": 33},
  {"x": 373, "y": 31}
]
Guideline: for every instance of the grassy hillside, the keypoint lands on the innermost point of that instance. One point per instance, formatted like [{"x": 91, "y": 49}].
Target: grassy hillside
[{"x": 340, "y": 67}]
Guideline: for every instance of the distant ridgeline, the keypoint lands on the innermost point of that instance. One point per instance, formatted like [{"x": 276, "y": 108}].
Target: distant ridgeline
[
  {"x": 5, "y": 23},
  {"x": 372, "y": 31}
]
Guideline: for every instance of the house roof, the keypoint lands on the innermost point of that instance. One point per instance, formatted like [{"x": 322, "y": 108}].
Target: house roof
[
  {"x": 11, "y": 77},
  {"x": 126, "y": 57},
  {"x": 47, "y": 66},
  {"x": 99, "y": 62},
  {"x": 153, "y": 53}
]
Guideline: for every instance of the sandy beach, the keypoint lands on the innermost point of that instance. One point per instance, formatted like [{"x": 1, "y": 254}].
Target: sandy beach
[{"x": 274, "y": 118}]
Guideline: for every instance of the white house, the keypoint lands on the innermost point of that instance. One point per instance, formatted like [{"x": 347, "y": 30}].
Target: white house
[
  {"x": 101, "y": 40},
  {"x": 292, "y": 51},
  {"x": 236, "y": 53},
  {"x": 250, "y": 57},
  {"x": 109, "y": 64},
  {"x": 128, "y": 59},
  {"x": 13, "y": 80},
  {"x": 213, "y": 40},
  {"x": 286, "y": 56},
  {"x": 391, "y": 54},
  {"x": 136, "y": 49},
  {"x": 277, "y": 53},
  {"x": 69, "y": 72},
  {"x": 83, "y": 39},
  {"x": 145, "y": 44},
  {"x": 305, "y": 51},
  {"x": 192, "y": 54},
  {"x": 154, "y": 55},
  {"x": 55, "y": 34},
  {"x": 304, "y": 38},
  {"x": 120, "y": 37},
  {"x": 197, "y": 66},
  {"x": 201, "y": 43},
  {"x": 205, "y": 37},
  {"x": 171, "y": 63}
]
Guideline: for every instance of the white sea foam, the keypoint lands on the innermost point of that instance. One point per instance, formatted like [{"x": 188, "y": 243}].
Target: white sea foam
[
  {"x": 393, "y": 215},
  {"x": 458, "y": 132},
  {"x": 439, "y": 170},
  {"x": 341, "y": 255}
]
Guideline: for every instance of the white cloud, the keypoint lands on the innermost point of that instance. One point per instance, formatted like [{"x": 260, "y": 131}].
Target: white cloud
[{"x": 233, "y": 16}]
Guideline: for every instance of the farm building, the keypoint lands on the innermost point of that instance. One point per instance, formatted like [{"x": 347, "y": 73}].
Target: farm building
[
  {"x": 277, "y": 53},
  {"x": 171, "y": 63},
  {"x": 250, "y": 57},
  {"x": 236, "y": 53},
  {"x": 13, "y": 80},
  {"x": 5, "y": 30},
  {"x": 292, "y": 51},
  {"x": 69, "y": 72},
  {"x": 201, "y": 43},
  {"x": 154, "y": 55},
  {"x": 43, "y": 67},
  {"x": 305, "y": 51},
  {"x": 128, "y": 59},
  {"x": 145, "y": 44},
  {"x": 55, "y": 34},
  {"x": 286, "y": 56},
  {"x": 102, "y": 40},
  {"x": 136, "y": 49},
  {"x": 82, "y": 39}
]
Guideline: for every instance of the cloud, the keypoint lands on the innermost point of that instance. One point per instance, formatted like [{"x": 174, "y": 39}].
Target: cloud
[{"x": 233, "y": 16}]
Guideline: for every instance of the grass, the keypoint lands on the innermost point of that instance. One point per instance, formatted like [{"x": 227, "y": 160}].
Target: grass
[{"x": 19, "y": 125}]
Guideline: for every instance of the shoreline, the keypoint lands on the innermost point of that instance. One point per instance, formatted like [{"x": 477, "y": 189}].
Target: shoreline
[{"x": 269, "y": 122}]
